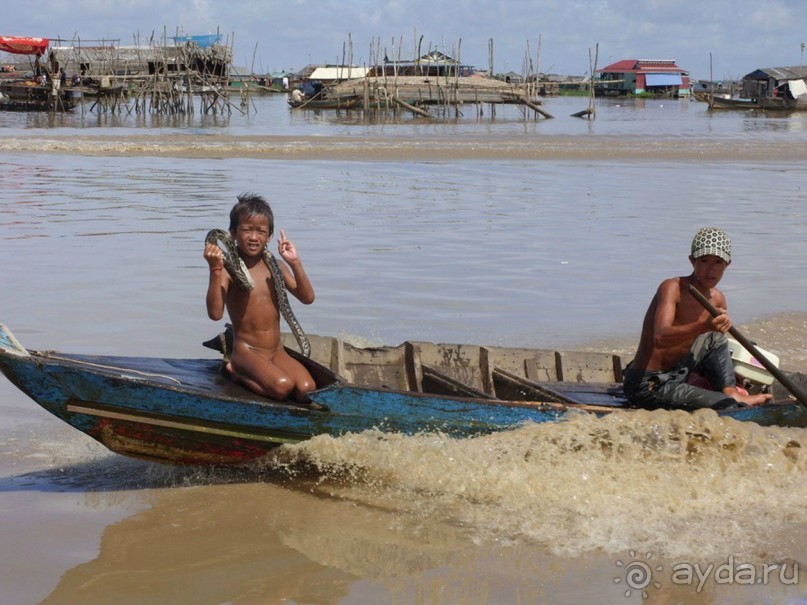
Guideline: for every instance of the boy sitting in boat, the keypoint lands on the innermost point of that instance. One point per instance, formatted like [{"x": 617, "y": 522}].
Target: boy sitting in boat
[
  {"x": 681, "y": 339},
  {"x": 258, "y": 360}
]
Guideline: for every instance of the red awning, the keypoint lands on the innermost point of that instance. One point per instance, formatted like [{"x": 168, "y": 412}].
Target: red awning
[{"x": 23, "y": 46}]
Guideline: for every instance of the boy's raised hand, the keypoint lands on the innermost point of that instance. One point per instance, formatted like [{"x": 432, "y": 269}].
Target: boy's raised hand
[
  {"x": 214, "y": 256},
  {"x": 285, "y": 248}
]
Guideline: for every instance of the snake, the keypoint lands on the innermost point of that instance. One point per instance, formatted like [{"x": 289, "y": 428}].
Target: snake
[{"x": 238, "y": 271}]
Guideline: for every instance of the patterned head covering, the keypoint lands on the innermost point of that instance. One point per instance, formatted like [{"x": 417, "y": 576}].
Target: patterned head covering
[{"x": 711, "y": 240}]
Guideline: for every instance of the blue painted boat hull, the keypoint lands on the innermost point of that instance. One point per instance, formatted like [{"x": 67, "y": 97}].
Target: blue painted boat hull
[{"x": 185, "y": 411}]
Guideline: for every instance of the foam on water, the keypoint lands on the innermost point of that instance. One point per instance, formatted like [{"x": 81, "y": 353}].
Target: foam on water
[
  {"x": 402, "y": 148},
  {"x": 674, "y": 483}
]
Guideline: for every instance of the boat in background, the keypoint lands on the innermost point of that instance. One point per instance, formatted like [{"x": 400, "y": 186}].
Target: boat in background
[
  {"x": 39, "y": 98},
  {"x": 791, "y": 95},
  {"x": 21, "y": 45},
  {"x": 788, "y": 96},
  {"x": 42, "y": 91},
  {"x": 324, "y": 102},
  {"x": 186, "y": 411},
  {"x": 718, "y": 102}
]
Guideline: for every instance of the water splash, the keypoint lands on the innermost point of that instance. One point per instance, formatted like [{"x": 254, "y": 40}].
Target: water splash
[{"x": 675, "y": 483}]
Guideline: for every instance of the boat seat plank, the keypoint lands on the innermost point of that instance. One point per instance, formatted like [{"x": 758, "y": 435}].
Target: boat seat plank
[
  {"x": 436, "y": 382},
  {"x": 512, "y": 386},
  {"x": 605, "y": 394}
]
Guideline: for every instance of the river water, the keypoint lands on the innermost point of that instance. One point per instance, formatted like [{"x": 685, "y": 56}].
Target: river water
[{"x": 485, "y": 227}]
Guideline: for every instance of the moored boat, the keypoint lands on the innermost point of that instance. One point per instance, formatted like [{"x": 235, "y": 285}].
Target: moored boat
[
  {"x": 784, "y": 104},
  {"x": 62, "y": 101},
  {"x": 719, "y": 102},
  {"x": 326, "y": 103},
  {"x": 186, "y": 411},
  {"x": 789, "y": 96},
  {"x": 27, "y": 95}
]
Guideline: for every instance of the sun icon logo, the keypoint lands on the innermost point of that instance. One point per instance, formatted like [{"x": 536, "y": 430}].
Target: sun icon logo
[{"x": 638, "y": 574}]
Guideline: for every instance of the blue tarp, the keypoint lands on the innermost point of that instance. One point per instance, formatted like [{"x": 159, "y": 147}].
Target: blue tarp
[
  {"x": 203, "y": 41},
  {"x": 663, "y": 80}
]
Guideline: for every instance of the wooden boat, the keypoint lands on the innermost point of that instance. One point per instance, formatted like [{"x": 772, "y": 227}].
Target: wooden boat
[
  {"x": 34, "y": 97},
  {"x": 186, "y": 411},
  {"x": 326, "y": 103},
  {"x": 784, "y": 103},
  {"x": 788, "y": 96},
  {"x": 60, "y": 103},
  {"x": 718, "y": 102}
]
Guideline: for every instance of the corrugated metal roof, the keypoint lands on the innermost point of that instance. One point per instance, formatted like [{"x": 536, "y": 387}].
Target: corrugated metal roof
[
  {"x": 642, "y": 65},
  {"x": 621, "y": 66},
  {"x": 778, "y": 73},
  {"x": 339, "y": 72}
]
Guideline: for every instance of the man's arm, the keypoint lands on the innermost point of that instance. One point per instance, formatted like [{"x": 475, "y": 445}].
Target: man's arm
[{"x": 667, "y": 334}]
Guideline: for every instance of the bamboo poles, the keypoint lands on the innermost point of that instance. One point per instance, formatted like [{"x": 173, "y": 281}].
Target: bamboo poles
[
  {"x": 590, "y": 112},
  {"x": 436, "y": 80},
  {"x": 179, "y": 73}
]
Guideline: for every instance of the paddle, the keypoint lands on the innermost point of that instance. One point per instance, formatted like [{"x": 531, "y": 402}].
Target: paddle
[{"x": 793, "y": 388}]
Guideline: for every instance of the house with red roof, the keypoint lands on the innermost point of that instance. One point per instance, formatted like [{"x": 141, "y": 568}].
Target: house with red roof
[{"x": 659, "y": 77}]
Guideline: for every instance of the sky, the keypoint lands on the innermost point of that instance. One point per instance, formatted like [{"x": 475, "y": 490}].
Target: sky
[{"x": 724, "y": 38}]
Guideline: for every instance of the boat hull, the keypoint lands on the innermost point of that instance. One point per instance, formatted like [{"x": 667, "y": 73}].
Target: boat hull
[
  {"x": 146, "y": 418},
  {"x": 185, "y": 411},
  {"x": 210, "y": 421},
  {"x": 741, "y": 104},
  {"x": 23, "y": 97},
  {"x": 337, "y": 103},
  {"x": 784, "y": 104}
]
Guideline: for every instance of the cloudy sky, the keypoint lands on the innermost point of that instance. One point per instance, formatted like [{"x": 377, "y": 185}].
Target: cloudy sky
[{"x": 740, "y": 35}]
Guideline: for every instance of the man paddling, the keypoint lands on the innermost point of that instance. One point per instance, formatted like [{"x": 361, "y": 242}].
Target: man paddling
[{"x": 680, "y": 338}]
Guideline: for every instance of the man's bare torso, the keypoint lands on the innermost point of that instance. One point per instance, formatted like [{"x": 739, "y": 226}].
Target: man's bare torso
[{"x": 672, "y": 297}]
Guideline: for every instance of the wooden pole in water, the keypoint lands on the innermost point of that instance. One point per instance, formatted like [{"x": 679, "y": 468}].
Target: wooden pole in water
[
  {"x": 589, "y": 111},
  {"x": 536, "y": 108},
  {"x": 396, "y": 59},
  {"x": 592, "y": 93},
  {"x": 537, "y": 64},
  {"x": 457, "y": 60},
  {"x": 490, "y": 57},
  {"x": 490, "y": 71},
  {"x": 527, "y": 71},
  {"x": 411, "y": 108}
]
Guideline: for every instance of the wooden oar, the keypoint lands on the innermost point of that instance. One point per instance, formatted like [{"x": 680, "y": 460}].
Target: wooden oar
[{"x": 793, "y": 388}]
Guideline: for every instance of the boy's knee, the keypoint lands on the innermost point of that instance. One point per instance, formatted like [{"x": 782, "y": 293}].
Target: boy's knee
[
  {"x": 280, "y": 388},
  {"x": 307, "y": 385}
]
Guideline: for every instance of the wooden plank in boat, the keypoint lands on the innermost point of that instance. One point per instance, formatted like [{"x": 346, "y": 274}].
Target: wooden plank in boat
[
  {"x": 377, "y": 367},
  {"x": 606, "y": 393},
  {"x": 580, "y": 367},
  {"x": 438, "y": 383},
  {"x": 513, "y": 387},
  {"x": 459, "y": 362}
]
